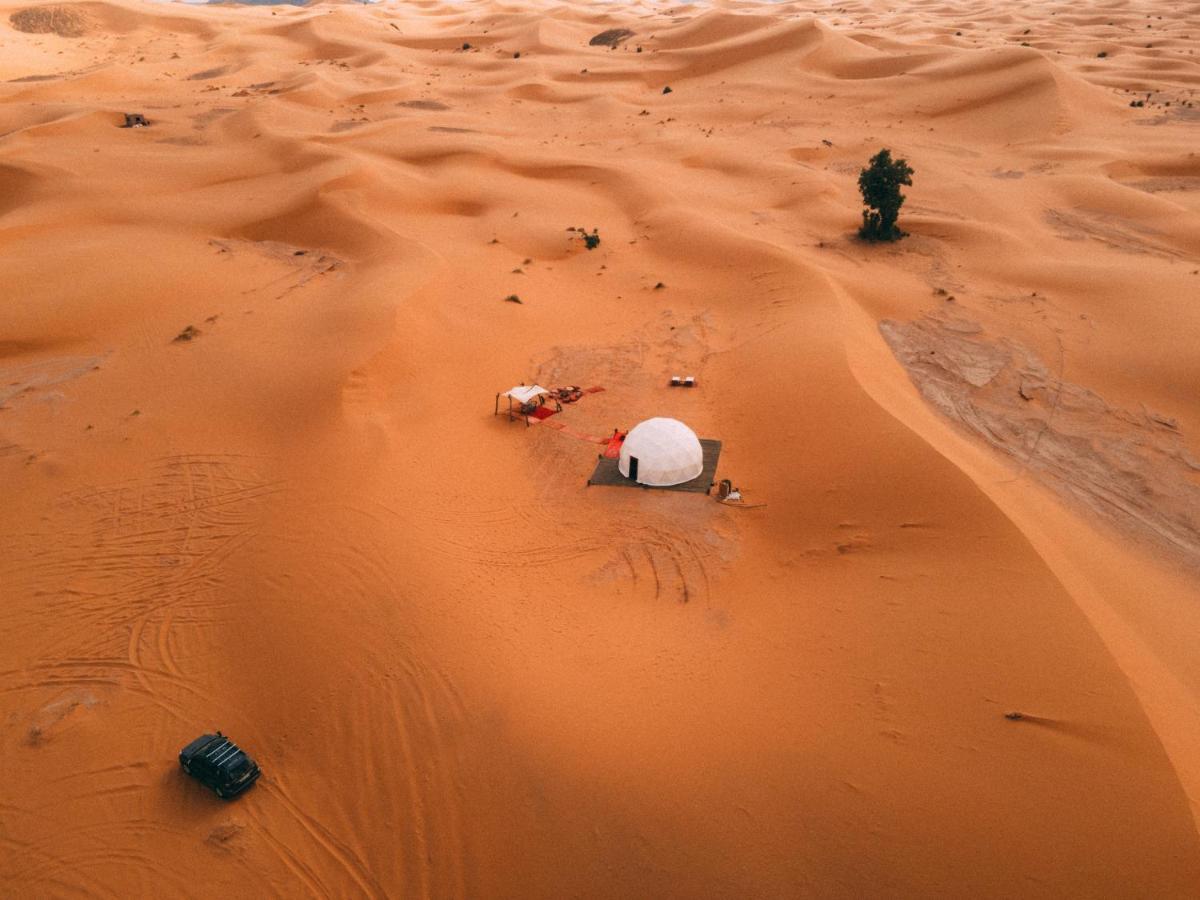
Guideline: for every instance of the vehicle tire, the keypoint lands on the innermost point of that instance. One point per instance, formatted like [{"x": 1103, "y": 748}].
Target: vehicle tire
[{"x": 220, "y": 792}]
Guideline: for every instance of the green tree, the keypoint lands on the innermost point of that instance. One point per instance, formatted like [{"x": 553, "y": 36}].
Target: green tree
[{"x": 880, "y": 184}]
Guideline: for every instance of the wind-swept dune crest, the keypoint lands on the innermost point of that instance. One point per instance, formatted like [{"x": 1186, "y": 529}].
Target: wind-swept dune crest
[
  {"x": 1187, "y": 166},
  {"x": 866, "y": 64},
  {"x": 1009, "y": 94},
  {"x": 721, "y": 42},
  {"x": 715, "y": 28},
  {"x": 550, "y": 35},
  {"x": 67, "y": 123},
  {"x": 1155, "y": 213},
  {"x": 316, "y": 219},
  {"x": 315, "y": 38}
]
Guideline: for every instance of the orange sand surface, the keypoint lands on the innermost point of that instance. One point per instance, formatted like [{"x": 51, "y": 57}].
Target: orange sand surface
[{"x": 466, "y": 673}]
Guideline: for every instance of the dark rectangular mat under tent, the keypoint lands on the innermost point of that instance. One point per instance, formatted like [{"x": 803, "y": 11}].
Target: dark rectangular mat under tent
[{"x": 608, "y": 473}]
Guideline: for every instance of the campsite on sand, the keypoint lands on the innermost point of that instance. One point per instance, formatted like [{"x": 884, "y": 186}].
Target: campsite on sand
[{"x": 268, "y": 277}]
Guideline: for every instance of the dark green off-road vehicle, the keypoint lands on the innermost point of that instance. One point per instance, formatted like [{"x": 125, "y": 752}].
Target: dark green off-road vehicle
[{"x": 216, "y": 761}]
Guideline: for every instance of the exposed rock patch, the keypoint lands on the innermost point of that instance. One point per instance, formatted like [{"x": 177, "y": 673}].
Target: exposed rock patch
[
  {"x": 28, "y": 379},
  {"x": 611, "y": 38},
  {"x": 424, "y": 104},
  {"x": 50, "y": 20},
  {"x": 1134, "y": 468},
  {"x": 207, "y": 74}
]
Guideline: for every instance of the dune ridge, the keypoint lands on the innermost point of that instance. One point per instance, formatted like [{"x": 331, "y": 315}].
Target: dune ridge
[{"x": 950, "y": 655}]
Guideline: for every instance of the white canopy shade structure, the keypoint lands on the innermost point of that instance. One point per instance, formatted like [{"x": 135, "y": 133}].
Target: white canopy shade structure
[
  {"x": 524, "y": 393},
  {"x": 661, "y": 452},
  {"x": 530, "y": 400}
]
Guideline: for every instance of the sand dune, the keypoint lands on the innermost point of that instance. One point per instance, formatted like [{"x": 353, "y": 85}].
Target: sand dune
[{"x": 252, "y": 481}]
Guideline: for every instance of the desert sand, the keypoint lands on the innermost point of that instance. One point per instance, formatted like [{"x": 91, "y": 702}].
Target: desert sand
[{"x": 954, "y": 654}]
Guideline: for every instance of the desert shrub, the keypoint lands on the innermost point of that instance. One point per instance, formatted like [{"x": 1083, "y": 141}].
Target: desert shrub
[{"x": 880, "y": 184}]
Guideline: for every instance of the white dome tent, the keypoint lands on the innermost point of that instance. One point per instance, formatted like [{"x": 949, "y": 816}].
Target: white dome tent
[{"x": 661, "y": 452}]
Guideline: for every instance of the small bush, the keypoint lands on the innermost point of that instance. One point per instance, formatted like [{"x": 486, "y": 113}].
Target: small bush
[{"x": 880, "y": 185}]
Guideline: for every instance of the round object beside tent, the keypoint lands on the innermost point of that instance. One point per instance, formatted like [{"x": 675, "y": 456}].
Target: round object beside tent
[{"x": 661, "y": 452}]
